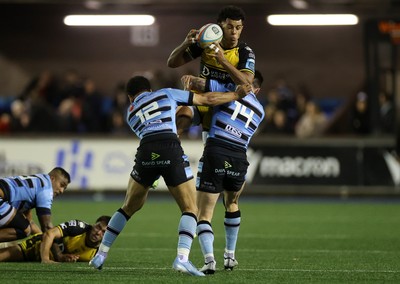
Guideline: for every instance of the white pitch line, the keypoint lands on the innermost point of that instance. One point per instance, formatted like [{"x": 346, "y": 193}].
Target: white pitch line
[
  {"x": 260, "y": 250},
  {"x": 258, "y": 269},
  {"x": 247, "y": 236}
]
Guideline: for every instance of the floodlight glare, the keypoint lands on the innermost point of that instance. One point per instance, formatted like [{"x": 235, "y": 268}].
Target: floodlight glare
[
  {"x": 312, "y": 20},
  {"x": 109, "y": 20}
]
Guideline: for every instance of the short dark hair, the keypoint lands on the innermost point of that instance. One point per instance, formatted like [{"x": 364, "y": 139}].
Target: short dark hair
[
  {"x": 104, "y": 219},
  {"x": 231, "y": 12},
  {"x": 60, "y": 171},
  {"x": 258, "y": 77},
  {"x": 137, "y": 85}
]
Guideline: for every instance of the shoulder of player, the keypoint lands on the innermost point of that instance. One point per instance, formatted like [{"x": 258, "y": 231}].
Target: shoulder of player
[
  {"x": 171, "y": 91},
  {"x": 44, "y": 180},
  {"x": 252, "y": 101},
  {"x": 244, "y": 46}
]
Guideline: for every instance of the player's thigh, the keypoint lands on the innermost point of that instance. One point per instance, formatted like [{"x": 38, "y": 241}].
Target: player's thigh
[
  {"x": 18, "y": 221},
  {"x": 12, "y": 253},
  {"x": 30, "y": 248},
  {"x": 185, "y": 196},
  {"x": 135, "y": 197}
]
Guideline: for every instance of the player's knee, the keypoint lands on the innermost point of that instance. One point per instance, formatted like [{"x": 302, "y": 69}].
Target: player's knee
[
  {"x": 231, "y": 206},
  {"x": 192, "y": 209}
]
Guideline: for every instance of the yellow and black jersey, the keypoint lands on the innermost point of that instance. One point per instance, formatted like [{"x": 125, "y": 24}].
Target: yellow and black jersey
[
  {"x": 73, "y": 241},
  {"x": 242, "y": 57}
]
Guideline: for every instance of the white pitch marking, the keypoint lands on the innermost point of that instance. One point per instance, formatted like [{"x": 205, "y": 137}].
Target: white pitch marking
[{"x": 258, "y": 269}]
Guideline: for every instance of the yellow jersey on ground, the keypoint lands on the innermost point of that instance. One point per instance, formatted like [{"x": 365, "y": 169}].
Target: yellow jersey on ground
[{"x": 73, "y": 241}]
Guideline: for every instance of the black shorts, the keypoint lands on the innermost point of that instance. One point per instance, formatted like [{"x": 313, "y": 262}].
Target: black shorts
[
  {"x": 31, "y": 248},
  {"x": 221, "y": 169},
  {"x": 161, "y": 157}
]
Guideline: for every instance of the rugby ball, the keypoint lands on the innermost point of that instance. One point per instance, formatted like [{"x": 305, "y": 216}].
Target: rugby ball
[{"x": 208, "y": 34}]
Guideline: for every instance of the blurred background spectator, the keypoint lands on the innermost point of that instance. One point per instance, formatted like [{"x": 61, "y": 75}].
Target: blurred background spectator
[
  {"x": 72, "y": 103},
  {"x": 360, "y": 117},
  {"x": 312, "y": 123},
  {"x": 387, "y": 113}
]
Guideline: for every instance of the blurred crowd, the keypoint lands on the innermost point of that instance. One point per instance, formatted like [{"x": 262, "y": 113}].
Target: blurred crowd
[
  {"x": 72, "y": 103},
  {"x": 294, "y": 111}
]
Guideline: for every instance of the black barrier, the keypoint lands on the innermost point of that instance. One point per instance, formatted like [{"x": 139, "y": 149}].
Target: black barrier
[{"x": 349, "y": 162}]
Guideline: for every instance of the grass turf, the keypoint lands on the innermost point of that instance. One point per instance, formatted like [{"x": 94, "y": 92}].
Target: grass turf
[{"x": 279, "y": 242}]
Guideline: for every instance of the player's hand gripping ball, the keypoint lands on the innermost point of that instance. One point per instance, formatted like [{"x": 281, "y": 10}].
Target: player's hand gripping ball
[{"x": 209, "y": 34}]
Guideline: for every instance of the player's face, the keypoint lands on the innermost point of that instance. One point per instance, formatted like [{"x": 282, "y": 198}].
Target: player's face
[
  {"x": 59, "y": 184},
  {"x": 97, "y": 232},
  {"x": 232, "y": 30}
]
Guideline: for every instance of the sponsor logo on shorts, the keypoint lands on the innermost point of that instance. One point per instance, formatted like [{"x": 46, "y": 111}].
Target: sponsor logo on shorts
[
  {"x": 156, "y": 163},
  {"x": 207, "y": 186},
  {"x": 154, "y": 156},
  {"x": 232, "y": 173},
  {"x": 226, "y": 171}
]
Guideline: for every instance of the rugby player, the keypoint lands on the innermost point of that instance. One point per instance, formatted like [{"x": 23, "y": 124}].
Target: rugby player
[
  {"x": 231, "y": 62},
  {"x": 77, "y": 241},
  {"x": 151, "y": 117},
  {"x": 20, "y": 194},
  {"x": 223, "y": 166}
]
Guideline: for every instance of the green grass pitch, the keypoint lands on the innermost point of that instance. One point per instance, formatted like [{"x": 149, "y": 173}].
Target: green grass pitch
[{"x": 280, "y": 241}]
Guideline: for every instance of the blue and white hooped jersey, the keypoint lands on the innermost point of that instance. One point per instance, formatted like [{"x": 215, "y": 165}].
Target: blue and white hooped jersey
[
  {"x": 237, "y": 121},
  {"x": 154, "y": 112},
  {"x": 27, "y": 192}
]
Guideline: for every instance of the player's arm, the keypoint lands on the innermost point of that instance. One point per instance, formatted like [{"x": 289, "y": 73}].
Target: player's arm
[
  {"x": 184, "y": 115},
  {"x": 193, "y": 83},
  {"x": 34, "y": 227},
  {"x": 238, "y": 77},
  {"x": 218, "y": 98},
  {"x": 48, "y": 244},
  {"x": 46, "y": 225},
  {"x": 179, "y": 55},
  {"x": 44, "y": 220}
]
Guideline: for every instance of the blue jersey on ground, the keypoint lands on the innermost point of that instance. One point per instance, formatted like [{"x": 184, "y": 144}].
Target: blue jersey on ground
[
  {"x": 27, "y": 192},
  {"x": 154, "y": 112},
  {"x": 235, "y": 122}
]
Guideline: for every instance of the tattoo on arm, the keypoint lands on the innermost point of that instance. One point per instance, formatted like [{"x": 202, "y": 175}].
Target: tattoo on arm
[{"x": 198, "y": 84}]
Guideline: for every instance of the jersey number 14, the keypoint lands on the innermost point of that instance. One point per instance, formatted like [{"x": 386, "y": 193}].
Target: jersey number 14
[{"x": 242, "y": 110}]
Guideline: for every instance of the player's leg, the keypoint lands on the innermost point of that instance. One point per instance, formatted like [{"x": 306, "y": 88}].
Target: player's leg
[
  {"x": 185, "y": 196},
  {"x": 12, "y": 253},
  {"x": 206, "y": 203},
  {"x": 13, "y": 225},
  {"x": 210, "y": 175},
  {"x": 178, "y": 177},
  {"x": 232, "y": 225},
  {"x": 135, "y": 198}
]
